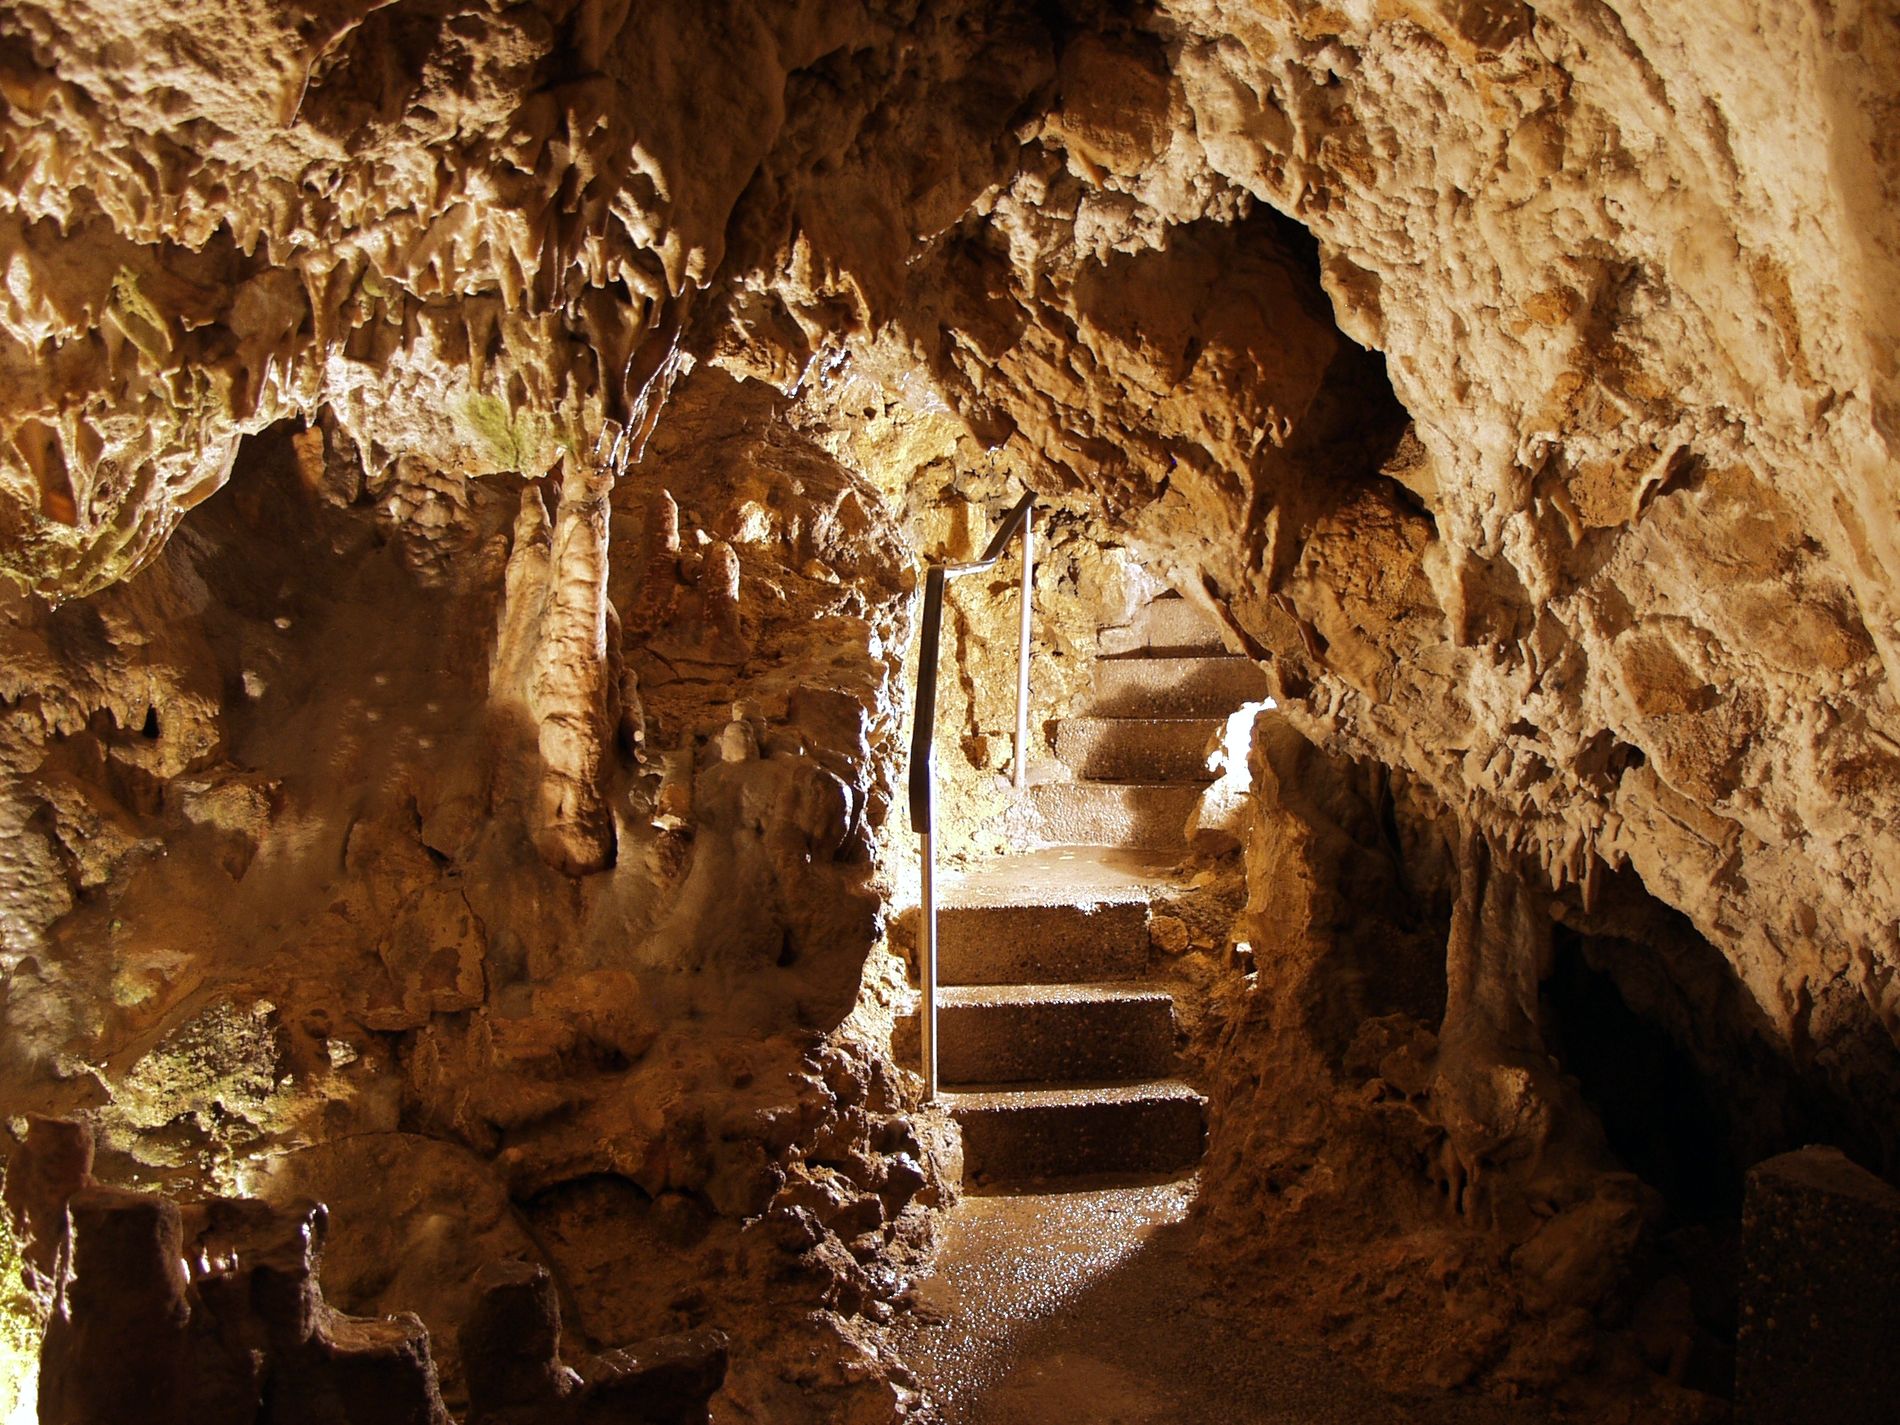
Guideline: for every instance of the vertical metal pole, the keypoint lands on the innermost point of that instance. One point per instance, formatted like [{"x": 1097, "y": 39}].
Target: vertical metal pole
[
  {"x": 927, "y": 970},
  {"x": 923, "y": 816},
  {"x": 1022, "y": 648}
]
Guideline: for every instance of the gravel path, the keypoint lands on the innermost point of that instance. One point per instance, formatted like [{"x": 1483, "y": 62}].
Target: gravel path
[{"x": 1086, "y": 1308}]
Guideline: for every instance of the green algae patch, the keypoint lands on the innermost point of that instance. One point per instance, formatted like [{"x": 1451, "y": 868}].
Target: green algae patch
[
  {"x": 204, "y": 1094},
  {"x": 526, "y": 442},
  {"x": 23, "y": 1316}
]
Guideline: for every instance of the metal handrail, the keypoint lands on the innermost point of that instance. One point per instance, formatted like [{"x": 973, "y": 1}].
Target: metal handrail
[{"x": 923, "y": 770}]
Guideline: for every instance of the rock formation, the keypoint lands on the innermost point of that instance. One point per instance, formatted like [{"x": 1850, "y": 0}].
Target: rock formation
[
  {"x": 214, "y": 1312},
  {"x": 461, "y": 474}
]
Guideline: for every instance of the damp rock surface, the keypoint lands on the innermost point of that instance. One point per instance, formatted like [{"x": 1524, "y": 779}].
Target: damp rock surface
[
  {"x": 1039, "y": 1306},
  {"x": 1820, "y": 1239}
]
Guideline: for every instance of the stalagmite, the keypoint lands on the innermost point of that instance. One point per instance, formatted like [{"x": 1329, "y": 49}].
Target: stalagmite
[
  {"x": 552, "y": 672},
  {"x": 1513, "y": 1127},
  {"x": 569, "y": 694}
]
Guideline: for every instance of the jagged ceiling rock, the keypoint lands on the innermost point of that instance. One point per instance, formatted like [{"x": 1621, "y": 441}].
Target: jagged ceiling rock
[{"x": 469, "y": 231}]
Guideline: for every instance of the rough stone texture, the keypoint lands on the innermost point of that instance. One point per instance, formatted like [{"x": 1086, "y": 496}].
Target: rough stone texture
[
  {"x": 1820, "y": 1244},
  {"x": 215, "y": 1314},
  {"x": 499, "y": 757},
  {"x": 327, "y": 950},
  {"x": 412, "y": 1223},
  {"x": 1393, "y": 1161},
  {"x": 512, "y": 1341},
  {"x": 44, "y": 1172}
]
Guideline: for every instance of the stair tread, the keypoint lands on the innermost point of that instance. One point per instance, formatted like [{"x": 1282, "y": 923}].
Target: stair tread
[
  {"x": 1097, "y": 783},
  {"x": 1078, "y": 914},
  {"x": 1208, "y": 720},
  {"x": 1109, "y": 749},
  {"x": 1180, "y": 663},
  {"x": 1073, "y": 876},
  {"x": 1198, "y": 779},
  {"x": 1152, "y": 815},
  {"x": 1143, "y": 686},
  {"x": 1076, "y": 1095},
  {"x": 1090, "y": 992},
  {"x": 1163, "y": 623},
  {"x": 1187, "y": 653}
]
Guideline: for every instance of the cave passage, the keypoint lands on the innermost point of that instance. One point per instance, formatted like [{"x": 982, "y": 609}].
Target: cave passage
[{"x": 1663, "y": 1117}]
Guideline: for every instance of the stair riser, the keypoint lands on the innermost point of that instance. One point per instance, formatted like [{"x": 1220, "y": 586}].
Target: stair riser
[
  {"x": 1171, "y": 625},
  {"x": 1148, "y": 818},
  {"x": 1016, "y": 1144},
  {"x": 1055, "y": 1043},
  {"x": 1041, "y": 945},
  {"x": 1175, "y": 687},
  {"x": 1137, "y": 749}
]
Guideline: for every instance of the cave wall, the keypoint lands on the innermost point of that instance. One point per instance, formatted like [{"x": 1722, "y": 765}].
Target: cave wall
[
  {"x": 1576, "y": 236},
  {"x": 1518, "y": 382},
  {"x": 397, "y": 856},
  {"x": 1530, "y": 1182}
]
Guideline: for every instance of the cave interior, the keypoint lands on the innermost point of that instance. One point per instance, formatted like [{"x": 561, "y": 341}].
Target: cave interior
[{"x": 470, "y": 474}]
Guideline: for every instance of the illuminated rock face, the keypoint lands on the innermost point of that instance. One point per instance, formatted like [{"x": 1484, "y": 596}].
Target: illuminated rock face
[
  {"x": 395, "y": 850},
  {"x": 500, "y": 756}
]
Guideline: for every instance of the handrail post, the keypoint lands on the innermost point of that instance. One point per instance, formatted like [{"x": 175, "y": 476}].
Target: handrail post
[
  {"x": 1021, "y": 776},
  {"x": 923, "y": 776},
  {"x": 927, "y": 956},
  {"x": 923, "y": 807}
]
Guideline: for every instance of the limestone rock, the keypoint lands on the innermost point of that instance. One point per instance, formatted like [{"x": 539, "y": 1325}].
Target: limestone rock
[
  {"x": 514, "y": 1333},
  {"x": 412, "y": 1222},
  {"x": 1819, "y": 1238},
  {"x": 1169, "y": 933},
  {"x": 45, "y": 1171},
  {"x": 215, "y": 1314}
]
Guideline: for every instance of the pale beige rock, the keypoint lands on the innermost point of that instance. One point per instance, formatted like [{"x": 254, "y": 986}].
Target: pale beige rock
[
  {"x": 1169, "y": 933},
  {"x": 433, "y": 955}
]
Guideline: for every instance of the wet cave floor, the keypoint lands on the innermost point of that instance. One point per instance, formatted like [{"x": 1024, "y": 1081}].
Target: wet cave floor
[{"x": 1088, "y": 1308}]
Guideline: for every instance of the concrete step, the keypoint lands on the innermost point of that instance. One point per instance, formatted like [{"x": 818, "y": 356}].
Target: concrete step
[
  {"x": 1168, "y": 625},
  {"x": 1158, "y": 1126},
  {"x": 1175, "y": 687},
  {"x": 1147, "y": 749},
  {"x": 1008, "y": 1034},
  {"x": 1062, "y": 915},
  {"x": 1143, "y": 815},
  {"x": 1041, "y": 944}
]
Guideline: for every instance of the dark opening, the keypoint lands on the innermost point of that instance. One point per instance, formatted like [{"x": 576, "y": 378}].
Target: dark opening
[{"x": 1662, "y": 1116}]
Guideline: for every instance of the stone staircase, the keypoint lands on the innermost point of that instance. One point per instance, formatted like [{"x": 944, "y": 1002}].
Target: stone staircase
[
  {"x": 1160, "y": 692},
  {"x": 1056, "y": 1049}
]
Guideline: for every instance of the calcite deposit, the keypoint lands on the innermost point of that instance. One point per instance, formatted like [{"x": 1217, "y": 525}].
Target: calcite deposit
[{"x": 463, "y": 472}]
